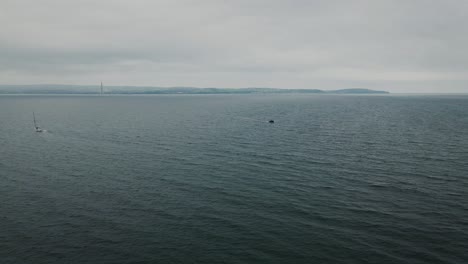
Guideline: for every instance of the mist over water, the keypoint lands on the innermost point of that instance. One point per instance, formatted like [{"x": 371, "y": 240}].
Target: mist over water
[{"x": 206, "y": 179}]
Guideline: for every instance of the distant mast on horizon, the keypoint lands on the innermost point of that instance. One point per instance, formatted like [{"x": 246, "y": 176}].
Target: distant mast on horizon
[{"x": 101, "y": 88}]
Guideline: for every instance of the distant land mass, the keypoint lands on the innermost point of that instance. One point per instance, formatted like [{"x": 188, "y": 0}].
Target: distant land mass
[{"x": 95, "y": 89}]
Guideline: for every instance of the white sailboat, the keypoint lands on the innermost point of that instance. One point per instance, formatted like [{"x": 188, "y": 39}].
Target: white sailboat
[{"x": 38, "y": 129}]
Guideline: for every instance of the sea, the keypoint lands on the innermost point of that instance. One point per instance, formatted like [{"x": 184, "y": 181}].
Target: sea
[{"x": 207, "y": 179}]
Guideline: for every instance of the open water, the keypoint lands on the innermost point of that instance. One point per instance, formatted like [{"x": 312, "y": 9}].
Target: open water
[{"x": 206, "y": 179}]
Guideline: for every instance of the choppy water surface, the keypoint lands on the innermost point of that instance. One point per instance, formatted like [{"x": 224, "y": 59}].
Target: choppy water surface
[{"x": 206, "y": 179}]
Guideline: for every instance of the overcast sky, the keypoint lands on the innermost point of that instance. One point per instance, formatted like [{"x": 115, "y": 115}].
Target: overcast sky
[{"x": 394, "y": 45}]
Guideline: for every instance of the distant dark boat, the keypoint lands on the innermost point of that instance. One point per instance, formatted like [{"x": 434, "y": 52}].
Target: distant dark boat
[
  {"x": 271, "y": 121},
  {"x": 38, "y": 129}
]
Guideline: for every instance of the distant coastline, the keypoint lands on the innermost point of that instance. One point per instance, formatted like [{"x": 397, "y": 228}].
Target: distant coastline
[{"x": 95, "y": 89}]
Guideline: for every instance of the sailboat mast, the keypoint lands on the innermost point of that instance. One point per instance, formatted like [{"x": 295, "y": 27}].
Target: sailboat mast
[
  {"x": 34, "y": 118},
  {"x": 101, "y": 88}
]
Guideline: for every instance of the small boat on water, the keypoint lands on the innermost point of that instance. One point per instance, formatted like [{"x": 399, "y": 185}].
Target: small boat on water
[
  {"x": 38, "y": 129},
  {"x": 271, "y": 121}
]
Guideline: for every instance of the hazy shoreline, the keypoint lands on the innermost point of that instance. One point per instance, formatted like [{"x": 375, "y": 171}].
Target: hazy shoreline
[{"x": 85, "y": 89}]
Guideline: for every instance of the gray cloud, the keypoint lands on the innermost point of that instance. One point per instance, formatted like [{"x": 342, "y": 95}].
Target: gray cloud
[{"x": 417, "y": 45}]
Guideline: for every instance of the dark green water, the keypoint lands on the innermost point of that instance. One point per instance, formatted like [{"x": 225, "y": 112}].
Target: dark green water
[{"x": 206, "y": 179}]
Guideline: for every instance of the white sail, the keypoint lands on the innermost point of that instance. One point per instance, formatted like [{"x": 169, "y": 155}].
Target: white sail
[{"x": 38, "y": 129}]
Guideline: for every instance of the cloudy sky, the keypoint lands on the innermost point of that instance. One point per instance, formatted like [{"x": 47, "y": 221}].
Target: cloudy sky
[{"x": 399, "y": 46}]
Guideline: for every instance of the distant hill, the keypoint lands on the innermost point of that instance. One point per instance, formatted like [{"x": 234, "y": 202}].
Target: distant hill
[
  {"x": 95, "y": 89},
  {"x": 357, "y": 91}
]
